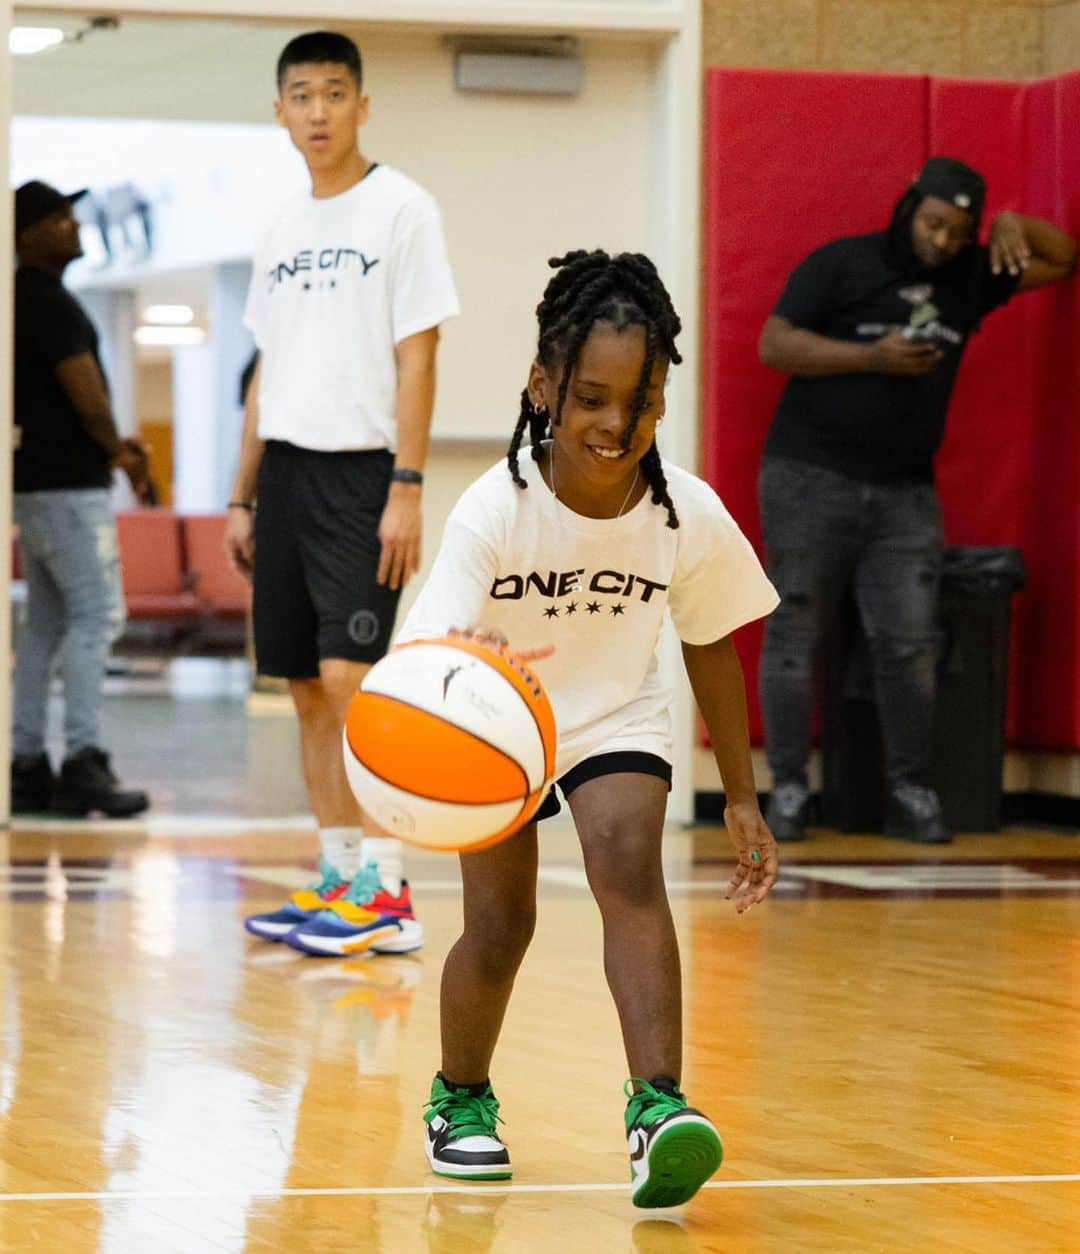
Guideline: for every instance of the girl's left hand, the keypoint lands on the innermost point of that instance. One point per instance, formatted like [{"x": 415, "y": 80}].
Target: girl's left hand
[{"x": 757, "y": 854}]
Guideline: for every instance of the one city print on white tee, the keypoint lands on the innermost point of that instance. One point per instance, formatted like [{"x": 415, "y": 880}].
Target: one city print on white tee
[
  {"x": 511, "y": 560},
  {"x": 337, "y": 283}
]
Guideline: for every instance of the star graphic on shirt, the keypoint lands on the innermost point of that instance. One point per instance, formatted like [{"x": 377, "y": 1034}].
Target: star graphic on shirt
[
  {"x": 551, "y": 612},
  {"x": 571, "y": 608},
  {"x": 617, "y": 610},
  {"x": 593, "y": 607}
]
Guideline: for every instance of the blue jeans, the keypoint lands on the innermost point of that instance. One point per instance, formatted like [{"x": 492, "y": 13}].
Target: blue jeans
[
  {"x": 67, "y": 543},
  {"x": 825, "y": 535}
]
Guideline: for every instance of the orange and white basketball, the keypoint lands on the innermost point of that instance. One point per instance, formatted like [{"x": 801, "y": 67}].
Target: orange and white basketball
[{"x": 450, "y": 744}]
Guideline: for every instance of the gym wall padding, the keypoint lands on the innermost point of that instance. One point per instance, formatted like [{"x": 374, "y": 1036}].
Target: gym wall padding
[{"x": 795, "y": 159}]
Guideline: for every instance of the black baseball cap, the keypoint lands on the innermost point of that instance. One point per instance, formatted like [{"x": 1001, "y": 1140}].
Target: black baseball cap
[
  {"x": 35, "y": 201},
  {"x": 953, "y": 181}
]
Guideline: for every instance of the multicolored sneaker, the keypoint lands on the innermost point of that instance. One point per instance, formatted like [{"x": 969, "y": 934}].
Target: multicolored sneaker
[
  {"x": 302, "y": 905},
  {"x": 461, "y": 1139},
  {"x": 365, "y": 918},
  {"x": 674, "y": 1149}
]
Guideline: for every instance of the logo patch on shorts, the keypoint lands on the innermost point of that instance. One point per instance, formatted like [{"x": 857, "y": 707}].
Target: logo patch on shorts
[{"x": 364, "y": 627}]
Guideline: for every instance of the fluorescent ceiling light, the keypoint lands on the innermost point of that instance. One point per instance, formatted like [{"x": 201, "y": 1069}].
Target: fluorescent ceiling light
[
  {"x": 168, "y": 337},
  {"x": 24, "y": 41},
  {"x": 169, "y": 315}
]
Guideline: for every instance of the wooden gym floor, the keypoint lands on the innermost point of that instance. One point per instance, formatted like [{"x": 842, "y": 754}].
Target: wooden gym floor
[{"x": 888, "y": 1047}]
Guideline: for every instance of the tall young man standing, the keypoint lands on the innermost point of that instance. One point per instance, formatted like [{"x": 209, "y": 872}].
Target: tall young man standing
[{"x": 349, "y": 289}]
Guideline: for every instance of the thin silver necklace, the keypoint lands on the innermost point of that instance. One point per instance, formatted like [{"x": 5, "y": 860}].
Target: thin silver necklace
[{"x": 577, "y": 587}]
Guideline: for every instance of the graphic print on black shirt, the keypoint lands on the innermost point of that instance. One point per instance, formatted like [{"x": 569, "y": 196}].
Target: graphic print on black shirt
[{"x": 877, "y": 427}]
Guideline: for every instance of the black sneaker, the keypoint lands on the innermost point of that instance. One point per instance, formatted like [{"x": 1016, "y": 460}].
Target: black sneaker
[
  {"x": 913, "y": 812},
  {"x": 785, "y": 815},
  {"x": 461, "y": 1139},
  {"x": 32, "y": 783},
  {"x": 674, "y": 1148},
  {"x": 87, "y": 783}
]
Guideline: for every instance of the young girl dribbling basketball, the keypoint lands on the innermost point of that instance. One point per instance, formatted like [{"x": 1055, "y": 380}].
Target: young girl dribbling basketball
[{"x": 583, "y": 546}]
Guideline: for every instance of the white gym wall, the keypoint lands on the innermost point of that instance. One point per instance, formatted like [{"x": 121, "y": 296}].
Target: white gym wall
[{"x": 519, "y": 178}]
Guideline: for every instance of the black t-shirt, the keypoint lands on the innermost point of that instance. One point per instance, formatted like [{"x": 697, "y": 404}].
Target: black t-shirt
[
  {"x": 877, "y": 427},
  {"x": 55, "y": 450}
]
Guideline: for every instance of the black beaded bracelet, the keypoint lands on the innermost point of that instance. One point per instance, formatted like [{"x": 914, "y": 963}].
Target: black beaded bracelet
[
  {"x": 402, "y": 475},
  {"x": 241, "y": 505}
]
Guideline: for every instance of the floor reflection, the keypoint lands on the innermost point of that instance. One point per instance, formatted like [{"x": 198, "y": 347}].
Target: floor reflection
[{"x": 150, "y": 1047}]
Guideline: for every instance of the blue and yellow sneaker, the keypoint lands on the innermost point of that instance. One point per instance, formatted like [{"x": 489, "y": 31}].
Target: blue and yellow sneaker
[
  {"x": 302, "y": 905},
  {"x": 674, "y": 1149},
  {"x": 365, "y": 918}
]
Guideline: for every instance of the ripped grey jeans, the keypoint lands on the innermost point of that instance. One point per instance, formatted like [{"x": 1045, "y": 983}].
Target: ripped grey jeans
[
  {"x": 826, "y": 534},
  {"x": 67, "y": 543}
]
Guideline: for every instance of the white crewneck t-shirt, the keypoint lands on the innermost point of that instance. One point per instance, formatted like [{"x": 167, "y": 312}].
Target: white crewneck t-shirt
[
  {"x": 509, "y": 561},
  {"x": 337, "y": 283}
]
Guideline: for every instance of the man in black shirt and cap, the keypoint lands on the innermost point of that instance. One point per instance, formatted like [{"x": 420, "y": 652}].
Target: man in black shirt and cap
[
  {"x": 871, "y": 330},
  {"x": 67, "y": 444}
]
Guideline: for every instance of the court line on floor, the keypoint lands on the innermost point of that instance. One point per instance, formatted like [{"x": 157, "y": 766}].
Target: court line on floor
[
  {"x": 209, "y": 825},
  {"x": 834, "y": 1182}
]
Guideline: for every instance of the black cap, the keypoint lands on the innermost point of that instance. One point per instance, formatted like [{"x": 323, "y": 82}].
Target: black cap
[
  {"x": 953, "y": 181},
  {"x": 35, "y": 201}
]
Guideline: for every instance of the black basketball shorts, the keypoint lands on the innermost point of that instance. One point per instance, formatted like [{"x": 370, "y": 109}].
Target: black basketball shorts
[
  {"x": 619, "y": 763},
  {"x": 316, "y": 556}
]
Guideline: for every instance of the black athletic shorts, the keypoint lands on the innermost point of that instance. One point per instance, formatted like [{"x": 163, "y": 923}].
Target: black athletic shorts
[
  {"x": 630, "y": 762},
  {"x": 316, "y": 556}
]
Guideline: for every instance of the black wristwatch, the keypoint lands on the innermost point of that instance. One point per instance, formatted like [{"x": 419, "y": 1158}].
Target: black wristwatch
[{"x": 402, "y": 475}]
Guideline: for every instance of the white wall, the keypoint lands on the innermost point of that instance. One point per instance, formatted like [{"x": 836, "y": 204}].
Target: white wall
[{"x": 519, "y": 178}]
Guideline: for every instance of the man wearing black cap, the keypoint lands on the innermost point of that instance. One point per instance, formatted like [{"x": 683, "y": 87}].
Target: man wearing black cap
[
  {"x": 871, "y": 330},
  {"x": 67, "y": 444}
]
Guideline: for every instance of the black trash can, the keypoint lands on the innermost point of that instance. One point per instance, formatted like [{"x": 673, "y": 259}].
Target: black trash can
[{"x": 969, "y": 726}]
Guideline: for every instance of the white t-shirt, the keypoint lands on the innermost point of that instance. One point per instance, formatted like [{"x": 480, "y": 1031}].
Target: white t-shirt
[
  {"x": 336, "y": 284},
  {"x": 509, "y": 560}
]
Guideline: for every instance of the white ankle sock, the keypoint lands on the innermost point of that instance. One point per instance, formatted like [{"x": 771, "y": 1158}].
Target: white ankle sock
[
  {"x": 343, "y": 848},
  {"x": 386, "y": 852}
]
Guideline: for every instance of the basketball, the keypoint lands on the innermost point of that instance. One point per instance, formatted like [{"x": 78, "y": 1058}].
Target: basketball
[{"x": 450, "y": 744}]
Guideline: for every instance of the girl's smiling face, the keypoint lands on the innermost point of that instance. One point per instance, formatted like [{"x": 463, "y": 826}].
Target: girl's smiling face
[{"x": 594, "y": 469}]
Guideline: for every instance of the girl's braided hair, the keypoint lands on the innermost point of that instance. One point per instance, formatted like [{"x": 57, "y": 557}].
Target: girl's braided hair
[{"x": 590, "y": 287}]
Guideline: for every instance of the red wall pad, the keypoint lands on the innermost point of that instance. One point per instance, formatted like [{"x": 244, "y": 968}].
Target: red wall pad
[
  {"x": 982, "y": 464},
  {"x": 795, "y": 159},
  {"x": 1008, "y": 465},
  {"x": 1047, "y": 659},
  {"x": 791, "y": 161}
]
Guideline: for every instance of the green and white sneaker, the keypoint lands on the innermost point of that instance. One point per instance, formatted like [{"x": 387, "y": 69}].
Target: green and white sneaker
[
  {"x": 674, "y": 1149},
  {"x": 461, "y": 1139}
]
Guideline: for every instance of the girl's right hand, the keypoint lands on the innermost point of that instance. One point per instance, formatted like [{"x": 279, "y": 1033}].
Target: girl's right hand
[{"x": 496, "y": 640}]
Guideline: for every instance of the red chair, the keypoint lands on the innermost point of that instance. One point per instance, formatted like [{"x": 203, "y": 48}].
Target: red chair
[
  {"x": 156, "y": 584},
  {"x": 219, "y": 589}
]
